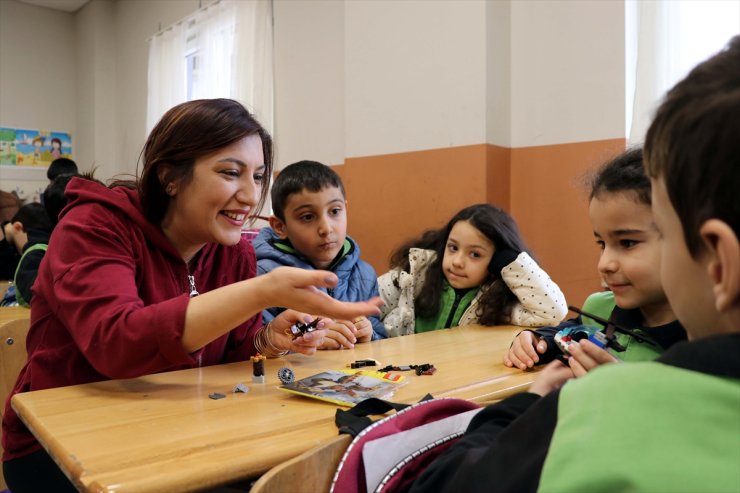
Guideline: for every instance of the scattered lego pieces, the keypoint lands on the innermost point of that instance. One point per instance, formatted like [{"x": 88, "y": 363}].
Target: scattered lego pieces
[
  {"x": 422, "y": 369},
  {"x": 216, "y": 396},
  {"x": 298, "y": 330},
  {"x": 361, "y": 363},
  {"x": 286, "y": 375},
  {"x": 258, "y": 368},
  {"x": 240, "y": 388},
  {"x": 425, "y": 369}
]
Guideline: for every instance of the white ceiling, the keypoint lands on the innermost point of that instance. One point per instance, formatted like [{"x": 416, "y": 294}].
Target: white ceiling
[{"x": 64, "y": 5}]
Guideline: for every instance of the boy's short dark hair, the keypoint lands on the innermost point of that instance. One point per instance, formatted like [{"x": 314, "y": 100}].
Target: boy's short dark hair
[
  {"x": 61, "y": 166},
  {"x": 54, "y": 198},
  {"x": 33, "y": 216},
  {"x": 693, "y": 145},
  {"x": 624, "y": 173},
  {"x": 303, "y": 175}
]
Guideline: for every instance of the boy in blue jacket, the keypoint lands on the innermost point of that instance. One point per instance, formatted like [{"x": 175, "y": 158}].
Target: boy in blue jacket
[
  {"x": 309, "y": 230},
  {"x": 666, "y": 425}
]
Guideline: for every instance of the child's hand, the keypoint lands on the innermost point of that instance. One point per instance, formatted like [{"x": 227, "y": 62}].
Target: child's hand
[
  {"x": 345, "y": 334},
  {"x": 364, "y": 329},
  {"x": 551, "y": 378},
  {"x": 524, "y": 349},
  {"x": 341, "y": 334},
  {"x": 585, "y": 356},
  {"x": 502, "y": 258}
]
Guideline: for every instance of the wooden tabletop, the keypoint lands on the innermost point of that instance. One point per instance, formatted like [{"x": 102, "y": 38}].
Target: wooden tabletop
[
  {"x": 8, "y": 313},
  {"x": 14, "y": 312},
  {"x": 163, "y": 433}
]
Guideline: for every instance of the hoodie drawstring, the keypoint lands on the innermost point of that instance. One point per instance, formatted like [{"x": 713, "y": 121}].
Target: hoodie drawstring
[{"x": 193, "y": 291}]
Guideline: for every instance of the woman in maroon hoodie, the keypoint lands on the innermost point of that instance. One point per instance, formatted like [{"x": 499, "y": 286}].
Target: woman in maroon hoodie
[{"x": 153, "y": 275}]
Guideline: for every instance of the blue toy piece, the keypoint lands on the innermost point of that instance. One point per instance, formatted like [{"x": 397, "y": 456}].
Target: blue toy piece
[{"x": 571, "y": 335}]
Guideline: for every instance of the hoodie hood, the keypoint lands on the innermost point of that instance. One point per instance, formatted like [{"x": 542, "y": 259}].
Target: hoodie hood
[
  {"x": 119, "y": 199},
  {"x": 269, "y": 246}
]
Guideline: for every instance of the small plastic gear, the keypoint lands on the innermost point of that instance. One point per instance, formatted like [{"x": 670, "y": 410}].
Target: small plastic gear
[{"x": 286, "y": 375}]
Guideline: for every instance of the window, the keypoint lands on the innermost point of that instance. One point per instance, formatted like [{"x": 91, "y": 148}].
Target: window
[
  {"x": 215, "y": 52},
  {"x": 665, "y": 39}
]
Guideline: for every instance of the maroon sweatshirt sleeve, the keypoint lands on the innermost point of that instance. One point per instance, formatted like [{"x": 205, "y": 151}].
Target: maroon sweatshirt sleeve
[{"x": 122, "y": 301}]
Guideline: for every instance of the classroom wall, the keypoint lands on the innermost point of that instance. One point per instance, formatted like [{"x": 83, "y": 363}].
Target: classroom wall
[
  {"x": 38, "y": 80},
  {"x": 92, "y": 81},
  {"x": 135, "y": 22},
  {"x": 97, "y": 101},
  {"x": 423, "y": 107},
  {"x": 567, "y": 116},
  {"x": 450, "y": 103},
  {"x": 309, "y": 81}
]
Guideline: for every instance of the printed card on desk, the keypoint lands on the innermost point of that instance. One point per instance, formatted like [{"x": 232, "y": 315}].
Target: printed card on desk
[{"x": 346, "y": 387}]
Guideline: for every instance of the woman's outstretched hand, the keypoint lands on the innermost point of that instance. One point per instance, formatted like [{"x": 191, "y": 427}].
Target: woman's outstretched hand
[{"x": 298, "y": 289}]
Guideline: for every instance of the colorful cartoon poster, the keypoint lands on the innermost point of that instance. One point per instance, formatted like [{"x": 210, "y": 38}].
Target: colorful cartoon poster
[
  {"x": 25, "y": 147},
  {"x": 7, "y": 146}
]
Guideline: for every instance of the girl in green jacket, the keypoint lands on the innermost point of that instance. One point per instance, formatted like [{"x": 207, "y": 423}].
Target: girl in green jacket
[{"x": 475, "y": 270}]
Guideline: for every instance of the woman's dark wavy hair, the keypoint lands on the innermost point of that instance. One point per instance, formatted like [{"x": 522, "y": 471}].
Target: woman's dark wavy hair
[
  {"x": 187, "y": 132},
  {"x": 495, "y": 224}
]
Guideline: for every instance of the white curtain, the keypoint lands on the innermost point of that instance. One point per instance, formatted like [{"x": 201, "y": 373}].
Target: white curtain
[
  {"x": 212, "y": 32},
  {"x": 672, "y": 36},
  {"x": 253, "y": 63},
  {"x": 167, "y": 73},
  {"x": 229, "y": 47}
]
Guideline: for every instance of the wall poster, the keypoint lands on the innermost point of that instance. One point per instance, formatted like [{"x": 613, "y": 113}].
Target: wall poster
[{"x": 24, "y": 147}]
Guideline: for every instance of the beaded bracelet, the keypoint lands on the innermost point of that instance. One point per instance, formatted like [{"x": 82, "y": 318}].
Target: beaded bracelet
[{"x": 264, "y": 344}]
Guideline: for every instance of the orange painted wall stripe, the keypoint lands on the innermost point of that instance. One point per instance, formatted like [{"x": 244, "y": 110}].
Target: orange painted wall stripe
[{"x": 395, "y": 197}]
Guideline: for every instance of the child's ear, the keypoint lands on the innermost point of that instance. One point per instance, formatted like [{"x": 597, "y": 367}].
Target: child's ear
[
  {"x": 278, "y": 227},
  {"x": 724, "y": 263},
  {"x": 17, "y": 227}
]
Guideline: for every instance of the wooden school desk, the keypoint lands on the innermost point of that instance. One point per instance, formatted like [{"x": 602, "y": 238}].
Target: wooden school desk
[
  {"x": 8, "y": 313},
  {"x": 13, "y": 312},
  {"x": 163, "y": 433}
]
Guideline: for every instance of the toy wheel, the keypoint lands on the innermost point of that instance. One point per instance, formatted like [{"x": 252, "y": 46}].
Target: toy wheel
[{"x": 286, "y": 375}]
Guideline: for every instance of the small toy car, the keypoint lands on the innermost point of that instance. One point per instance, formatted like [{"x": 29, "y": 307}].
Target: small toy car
[{"x": 571, "y": 335}]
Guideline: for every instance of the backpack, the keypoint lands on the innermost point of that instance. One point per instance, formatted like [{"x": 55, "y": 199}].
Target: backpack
[
  {"x": 389, "y": 454},
  {"x": 32, "y": 248}
]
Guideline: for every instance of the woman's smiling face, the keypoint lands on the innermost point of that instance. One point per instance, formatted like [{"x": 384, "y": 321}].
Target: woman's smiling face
[{"x": 212, "y": 206}]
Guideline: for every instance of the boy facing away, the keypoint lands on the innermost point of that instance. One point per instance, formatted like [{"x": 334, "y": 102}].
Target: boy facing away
[
  {"x": 309, "y": 230},
  {"x": 666, "y": 425},
  {"x": 29, "y": 233}
]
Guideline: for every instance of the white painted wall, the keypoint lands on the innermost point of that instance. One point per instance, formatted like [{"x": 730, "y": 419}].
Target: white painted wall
[
  {"x": 415, "y": 75},
  {"x": 96, "y": 93},
  {"x": 498, "y": 73},
  {"x": 353, "y": 78},
  {"x": 567, "y": 71},
  {"x": 309, "y": 81},
  {"x": 38, "y": 81},
  {"x": 87, "y": 75}
]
